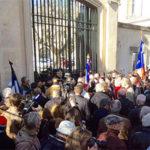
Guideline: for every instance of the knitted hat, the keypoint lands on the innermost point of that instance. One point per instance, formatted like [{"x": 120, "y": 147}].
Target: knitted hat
[
  {"x": 66, "y": 127},
  {"x": 3, "y": 122},
  {"x": 112, "y": 119}
]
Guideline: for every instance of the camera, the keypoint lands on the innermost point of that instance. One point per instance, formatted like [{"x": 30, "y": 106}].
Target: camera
[
  {"x": 101, "y": 144},
  {"x": 28, "y": 106}
]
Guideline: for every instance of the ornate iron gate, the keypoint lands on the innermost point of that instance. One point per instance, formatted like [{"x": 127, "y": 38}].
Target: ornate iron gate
[{"x": 64, "y": 32}]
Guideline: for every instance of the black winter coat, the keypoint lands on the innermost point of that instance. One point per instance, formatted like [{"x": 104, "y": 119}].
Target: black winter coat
[
  {"x": 126, "y": 106},
  {"x": 134, "y": 116},
  {"x": 53, "y": 143},
  {"x": 98, "y": 114},
  {"x": 140, "y": 140},
  {"x": 6, "y": 143}
]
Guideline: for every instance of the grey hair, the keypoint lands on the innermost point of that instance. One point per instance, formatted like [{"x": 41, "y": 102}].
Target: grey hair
[
  {"x": 104, "y": 102},
  {"x": 100, "y": 87},
  {"x": 115, "y": 106},
  {"x": 145, "y": 110},
  {"x": 81, "y": 79},
  {"x": 126, "y": 83},
  {"x": 6, "y": 92},
  {"x": 146, "y": 120},
  {"x": 31, "y": 120},
  {"x": 141, "y": 98},
  {"x": 117, "y": 81},
  {"x": 122, "y": 93},
  {"x": 112, "y": 119}
]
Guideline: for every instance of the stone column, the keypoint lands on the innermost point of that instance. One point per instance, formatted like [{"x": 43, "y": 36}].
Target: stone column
[
  {"x": 27, "y": 14},
  {"x": 15, "y": 40},
  {"x": 11, "y": 40},
  {"x": 111, "y": 34}
]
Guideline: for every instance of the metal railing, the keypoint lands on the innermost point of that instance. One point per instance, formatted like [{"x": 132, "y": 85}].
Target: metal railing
[{"x": 64, "y": 32}]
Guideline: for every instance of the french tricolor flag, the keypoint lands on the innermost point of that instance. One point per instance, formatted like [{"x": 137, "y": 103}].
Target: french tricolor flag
[
  {"x": 88, "y": 70},
  {"x": 140, "y": 70}
]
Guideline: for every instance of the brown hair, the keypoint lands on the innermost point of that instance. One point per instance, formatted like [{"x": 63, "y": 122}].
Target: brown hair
[
  {"x": 74, "y": 116},
  {"x": 15, "y": 99},
  {"x": 78, "y": 89},
  {"x": 79, "y": 135},
  {"x": 125, "y": 129},
  {"x": 57, "y": 111},
  {"x": 46, "y": 114}
]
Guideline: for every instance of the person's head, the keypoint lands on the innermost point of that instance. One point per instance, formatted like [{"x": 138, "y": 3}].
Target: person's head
[
  {"x": 56, "y": 93},
  {"x": 113, "y": 122},
  {"x": 105, "y": 103},
  {"x": 3, "y": 124},
  {"x": 74, "y": 116},
  {"x": 126, "y": 83},
  {"x": 39, "y": 84},
  {"x": 78, "y": 139},
  {"x": 146, "y": 120},
  {"x": 141, "y": 99},
  {"x": 55, "y": 81},
  {"x": 32, "y": 121},
  {"x": 78, "y": 90},
  {"x": 115, "y": 106},
  {"x": 133, "y": 80},
  {"x": 46, "y": 114},
  {"x": 25, "y": 81},
  {"x": 6, "y": 93},
  {"x": 96, "y": 76},
  {"x": 108, "y": 79},
  {"x": 81, "y": 80},
  {"x": 57, "y": 111},
  {"x": 15, "y": 100},
  {"x": 148, "y": 86},
  {"x": 59, "y": 73},
  {"x": 117, "y": 81},
  {"x": 144, "y": 110},
  {"x": 33, "y": 85},
  {"x": 101, "y": 87},
  {"x": 101, "y": 80},
  {"x": 91, "y": 77},
  {"x": 125, "y": 129},
  {"x": 65, "y": 128},
  {"x": 147, "y": 103},
  {"x": 37, "y": 91},
  {"x": 114, "y": 74},
  {"x": 122, "y": 93}
]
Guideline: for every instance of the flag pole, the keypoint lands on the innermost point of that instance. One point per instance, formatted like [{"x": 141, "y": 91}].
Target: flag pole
[
  {"x": 15, "y": 84},
  {"x": 141, "y": 35}
]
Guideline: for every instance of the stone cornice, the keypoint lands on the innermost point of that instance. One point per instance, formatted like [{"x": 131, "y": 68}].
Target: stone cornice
[
  {"x": 91, "y": 3},
  {"x": 113, "y": 1},
  {"x": 96, "y": 3},
  {"x": 134, "y": 27}
]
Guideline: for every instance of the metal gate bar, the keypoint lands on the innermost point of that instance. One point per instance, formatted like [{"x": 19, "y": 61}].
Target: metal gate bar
[{"x": 62, "y": 34}]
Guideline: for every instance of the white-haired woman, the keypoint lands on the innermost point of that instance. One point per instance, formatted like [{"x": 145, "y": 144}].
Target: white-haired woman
[
  {"x": 27, "y": 137},
  {"x": 126, "y": 83}
]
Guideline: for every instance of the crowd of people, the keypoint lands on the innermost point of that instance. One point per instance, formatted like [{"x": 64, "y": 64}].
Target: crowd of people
[{"x": 62, "y": 112}]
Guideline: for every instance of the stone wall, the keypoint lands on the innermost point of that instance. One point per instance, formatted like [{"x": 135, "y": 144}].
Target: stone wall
[
  {"x": 13, "y": 45},
  {"x": 129, "y": 38}
]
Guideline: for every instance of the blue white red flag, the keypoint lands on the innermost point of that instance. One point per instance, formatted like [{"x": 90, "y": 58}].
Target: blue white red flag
[
  {"x": 15, "y": 84},
  {"x": 140, "y": 70}
]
